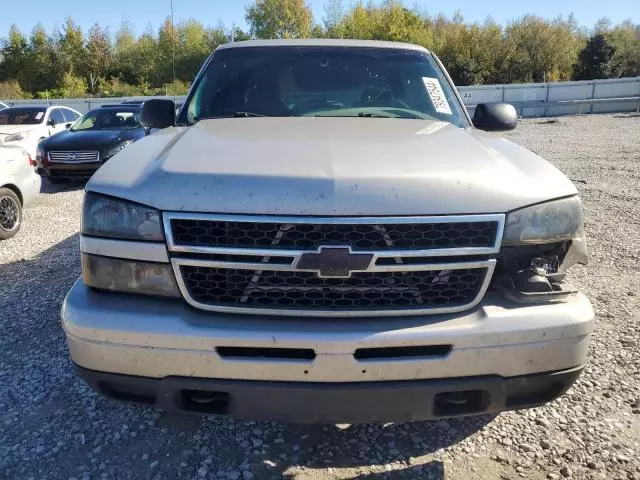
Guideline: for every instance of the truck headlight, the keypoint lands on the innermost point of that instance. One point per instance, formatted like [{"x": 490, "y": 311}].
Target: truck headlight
[
  {"x": 114, "y": 218},
  {"x": 548, "y": 222},
  {"x": 16, "y": 137},
  {"x": 116, "y": 274},
  {"x": 539, "y": 244}
]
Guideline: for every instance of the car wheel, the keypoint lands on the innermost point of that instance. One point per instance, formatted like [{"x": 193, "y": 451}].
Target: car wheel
[{"x": 10, "y": 213}]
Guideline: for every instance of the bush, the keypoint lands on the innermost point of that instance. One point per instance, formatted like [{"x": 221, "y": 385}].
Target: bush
[
  {"x": 71, "y": 87},
  {"x": 11, "y": 90},
  {"x": 115, "y": 87},
  {"x": 178, "y": 87}
]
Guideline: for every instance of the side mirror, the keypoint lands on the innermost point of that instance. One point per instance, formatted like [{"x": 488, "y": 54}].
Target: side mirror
[
  {"x": 68, "y": 126},
  {"x": 158, "y": 113},
  {"x": 51, "y": 122},
  {"x": 495, "y": 117}
]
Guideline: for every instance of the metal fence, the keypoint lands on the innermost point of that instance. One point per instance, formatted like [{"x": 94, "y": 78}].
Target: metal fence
[
  {"x": 530, "y": 99},
  {"x": 560, "y": 98}
]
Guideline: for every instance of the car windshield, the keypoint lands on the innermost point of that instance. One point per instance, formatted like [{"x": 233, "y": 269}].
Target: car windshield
[
  {"x": 22, "y": 115},
  {"x": 323, "y": 82},
  {"x": 108, "y": 119}
]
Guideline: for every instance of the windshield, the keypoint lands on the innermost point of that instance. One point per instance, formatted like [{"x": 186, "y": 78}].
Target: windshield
[
  {"x": 22, "y": 115},
  {"x": 323, "y": 81},
  {"x": 108, "y": 119}
]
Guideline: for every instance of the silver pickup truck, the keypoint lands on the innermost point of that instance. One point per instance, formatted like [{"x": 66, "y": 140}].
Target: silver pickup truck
[{"x": 323, "y": 234}]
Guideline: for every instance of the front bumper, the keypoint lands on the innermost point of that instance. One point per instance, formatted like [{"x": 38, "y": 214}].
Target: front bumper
[
  {"x": 357, "y": 402},
  {"x": 156, "y": 339},
  {"x": 69, "y": 170}
]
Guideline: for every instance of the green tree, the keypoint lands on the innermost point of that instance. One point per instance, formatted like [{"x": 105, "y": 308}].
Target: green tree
[
  {"x": 40, "y": 72},
  {"x": 333, "y": 15},
  {"x": 14, "y": 55},
  {"x": 596, "y": 59},
  {"x": 147, "y": 59},
  {"x": 279, "y": 19},
  {"x": 70, "y": 46},
  {"x": 193, "y": 48},
  {"x": 537, "y": 50},
  {"x": 625, "y": 38},
  {"x": 98, "y": 57},
  {"x": 11, "y": 90},
  {"x": 125, "y": 62},
  {"x": 236, "y": 34}
]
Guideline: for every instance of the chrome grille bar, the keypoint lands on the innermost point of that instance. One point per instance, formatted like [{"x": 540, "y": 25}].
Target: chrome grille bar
[
  {"x": 73, "y": 156},
  {"x": 422, "y": 260}
]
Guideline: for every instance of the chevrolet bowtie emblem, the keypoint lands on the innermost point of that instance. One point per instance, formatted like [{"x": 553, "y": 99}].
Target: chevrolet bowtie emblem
[{"x": 334, "y": 262}]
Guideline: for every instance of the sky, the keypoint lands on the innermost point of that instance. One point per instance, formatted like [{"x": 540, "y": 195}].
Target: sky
[{"x": 142, "y": 13}]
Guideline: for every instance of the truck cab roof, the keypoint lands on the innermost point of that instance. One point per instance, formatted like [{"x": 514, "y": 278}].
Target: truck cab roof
[{"x": 323, "y": 42}]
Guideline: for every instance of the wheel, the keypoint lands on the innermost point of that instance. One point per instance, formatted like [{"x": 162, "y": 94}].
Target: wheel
[{"x": 10, "y": 213}]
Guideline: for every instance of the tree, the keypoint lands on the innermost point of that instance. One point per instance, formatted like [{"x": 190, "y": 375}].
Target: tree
[
  {"x": 193, "y": 48},
  {"x": 333, "y": 14},
  {"x": 72, "y": 86},
  {"x": 537, "y": 50},
  {"x": 98, "y": 57},
  {"x": 40, "y": 72},
  {"x": 625, "y": 38},
  {"x": 147, "y": 60},
  {"x": 125, "y": 64},
  {"x": 70, "y": 47},
  {"x": 14, "y": 55},
  {"x": 11, "y": 89},
  {"x": 279, "y": 19},
  {"x": 167, "y": 46},
  {"x": 595, "y": 60}
]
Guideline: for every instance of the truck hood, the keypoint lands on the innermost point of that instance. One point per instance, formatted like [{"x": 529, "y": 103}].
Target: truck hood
[{"x": 329, "y": 166}]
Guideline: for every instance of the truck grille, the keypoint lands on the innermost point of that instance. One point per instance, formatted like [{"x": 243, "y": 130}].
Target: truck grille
[
  {"x": 311, "y": 236},
  {"x": 74, "y": 157},
  {"x": 305, "y": 290},
  {"x": 329, "y": 267}
]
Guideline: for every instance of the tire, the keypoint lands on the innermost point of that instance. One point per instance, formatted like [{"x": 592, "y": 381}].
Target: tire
[{"x": 10, "y": 213}]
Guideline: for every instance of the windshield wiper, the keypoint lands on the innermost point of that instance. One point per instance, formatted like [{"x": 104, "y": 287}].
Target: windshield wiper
[
  {"x": 240, "y": 114},
  {"x": 360, "y": 114},
  {"x": 247, "y": 114},
  {"x": 374, "y": 115}
]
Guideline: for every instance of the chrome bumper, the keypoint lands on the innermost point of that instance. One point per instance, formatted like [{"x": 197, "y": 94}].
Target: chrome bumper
[{"x": 149, "y": 337}]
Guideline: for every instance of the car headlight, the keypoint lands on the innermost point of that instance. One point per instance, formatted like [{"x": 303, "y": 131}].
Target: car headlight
[
  {"x": 548, "y": 222},
  {"x": 115, "y": 274},
  {"x": 112, "y": 151},
  {"x": 114, "y": 218},
  {"x": 16, "y": 137}
]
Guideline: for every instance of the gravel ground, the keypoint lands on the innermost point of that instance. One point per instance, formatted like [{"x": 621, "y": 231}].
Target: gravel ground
[{"x": 53, "y": 426}]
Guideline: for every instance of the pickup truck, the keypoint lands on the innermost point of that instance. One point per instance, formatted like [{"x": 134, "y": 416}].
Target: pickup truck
[{"x": 325, "y": 235}]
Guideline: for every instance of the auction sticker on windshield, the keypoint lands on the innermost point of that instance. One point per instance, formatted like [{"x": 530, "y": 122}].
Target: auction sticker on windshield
[{"x": 436, "y": 94}]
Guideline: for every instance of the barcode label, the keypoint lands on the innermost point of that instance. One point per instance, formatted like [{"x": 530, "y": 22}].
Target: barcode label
[{"x": 436, "y": 94}]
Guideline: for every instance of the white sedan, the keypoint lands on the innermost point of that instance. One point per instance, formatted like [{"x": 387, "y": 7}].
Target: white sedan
[
  {"x": 27, "y": 125},
  {"x": 19, "y": 185}
]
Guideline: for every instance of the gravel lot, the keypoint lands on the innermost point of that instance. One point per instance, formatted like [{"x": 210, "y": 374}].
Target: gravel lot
[{"x": 53, "y": 426}]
